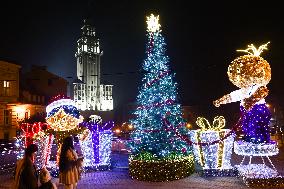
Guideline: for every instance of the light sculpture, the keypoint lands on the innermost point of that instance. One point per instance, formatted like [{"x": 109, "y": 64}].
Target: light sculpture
[
  {"x": 157, "y": 153},
  {"x": 95, "y": 144},
  {"x": 251, "y": 73},
  {"x": 212, "y": 158}
]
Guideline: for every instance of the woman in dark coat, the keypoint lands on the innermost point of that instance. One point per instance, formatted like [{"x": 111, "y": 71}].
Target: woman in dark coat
[{"x": 25, "y": 172}]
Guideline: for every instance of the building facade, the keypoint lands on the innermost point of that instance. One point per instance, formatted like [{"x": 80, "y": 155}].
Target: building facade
[
  {"x": 9, "y": 95},
  {"x": 88, "y": 91},
  {"x": 40, "y": 83},
  {"x": 23, "y": 96},
  {"x": 12, "y": 109}
]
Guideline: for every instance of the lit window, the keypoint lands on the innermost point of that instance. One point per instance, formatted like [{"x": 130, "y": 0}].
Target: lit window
[
  {"x": 6, "y": 88},
  {"x": 6, "y": 84}
]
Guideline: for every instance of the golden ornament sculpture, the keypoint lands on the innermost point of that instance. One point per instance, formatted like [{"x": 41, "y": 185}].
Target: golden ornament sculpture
[
  {"x": 250, "y": 69},
  {"x": 62, "y": 121},
  {"x": 248, "y": 72}
]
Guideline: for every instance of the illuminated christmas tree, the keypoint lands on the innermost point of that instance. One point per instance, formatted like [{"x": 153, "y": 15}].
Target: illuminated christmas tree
[
  {"x": 158, "y": 123},
  {"x": 158, "y": 118}
]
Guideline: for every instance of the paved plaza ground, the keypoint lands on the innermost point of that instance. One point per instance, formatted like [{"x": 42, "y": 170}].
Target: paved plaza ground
[{"x": 118, "y": 178}]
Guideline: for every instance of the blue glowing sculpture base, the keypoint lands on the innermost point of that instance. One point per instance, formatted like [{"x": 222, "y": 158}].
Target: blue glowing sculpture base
[
  {"x": 259, "y": 175},
  {"x": 232, "y": 172},
  {"x": 250, "y": 149}
]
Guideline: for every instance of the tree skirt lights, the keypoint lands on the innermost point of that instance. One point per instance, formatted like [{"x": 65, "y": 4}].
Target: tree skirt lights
[
  {"x": 161, "y": 170},
  {"x": 95, "y": 145},
  {"x": 212, "y": 158}
]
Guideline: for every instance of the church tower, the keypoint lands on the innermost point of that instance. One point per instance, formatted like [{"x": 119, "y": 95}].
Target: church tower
[{"x": 89, "y": 93}]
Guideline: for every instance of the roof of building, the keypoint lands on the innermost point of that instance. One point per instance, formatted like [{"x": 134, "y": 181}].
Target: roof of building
[
  {"x": 78, "y": 81},
  {"x": 9, "y": 63}
]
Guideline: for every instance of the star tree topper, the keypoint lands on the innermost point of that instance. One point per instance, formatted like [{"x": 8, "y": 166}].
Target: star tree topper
[{"x": 153, "y": 23}]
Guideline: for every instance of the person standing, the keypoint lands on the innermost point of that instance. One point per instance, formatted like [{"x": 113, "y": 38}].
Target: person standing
[
  {"x": 25, "y": 172},
  {"x": 69, "y": 164}
]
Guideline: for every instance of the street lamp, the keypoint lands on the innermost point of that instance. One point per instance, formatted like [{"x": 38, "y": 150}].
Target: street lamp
[{"x": 188, "y": 125}]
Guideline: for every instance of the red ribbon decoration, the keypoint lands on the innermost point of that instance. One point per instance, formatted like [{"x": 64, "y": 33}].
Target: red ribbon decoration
[
  {"x": 187, "y": 139},
  {"x": 31, "y": 129},
  {"x": 158, "y": 104}
]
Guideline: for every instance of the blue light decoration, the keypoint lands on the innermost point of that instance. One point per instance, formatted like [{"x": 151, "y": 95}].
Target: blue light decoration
[
  {"x": 212, "y": 147},
  {"x": 20, "y": 146},
  {"x": 155, "y": 147},
  {"x": 69, "y": 109},
  {"x": 8, "y": 150},
  {"x": 95, "y": 145},
  {"x": 255, "y": 124}
]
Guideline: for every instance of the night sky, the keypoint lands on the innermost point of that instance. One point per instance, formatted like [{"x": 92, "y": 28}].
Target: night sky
[{"x": 201, "y": 38}]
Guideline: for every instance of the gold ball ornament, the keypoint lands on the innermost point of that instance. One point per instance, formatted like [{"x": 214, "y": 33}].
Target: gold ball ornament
[{"x": 250, "y": 69}]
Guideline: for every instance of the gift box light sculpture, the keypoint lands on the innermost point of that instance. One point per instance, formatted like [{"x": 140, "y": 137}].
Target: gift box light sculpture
[
  {"x": 212, "y": 147},
  {"x": 95, "y": 144},
  {"x": 251, "y": 73},
  {"x": 34, "y": 133}
]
